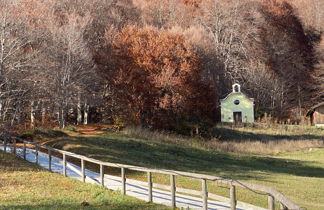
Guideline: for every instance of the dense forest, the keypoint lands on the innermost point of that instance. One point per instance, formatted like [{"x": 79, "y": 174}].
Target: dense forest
[{"x": 162, "y": 64}]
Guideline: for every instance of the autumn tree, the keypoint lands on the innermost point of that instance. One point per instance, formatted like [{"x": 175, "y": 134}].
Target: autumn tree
[
  {"x": 63, "y": 60},
  {"x": 156, "y": 77},
  {"x": 319, "y": 73},
  {"x": 289, "y": 52}
]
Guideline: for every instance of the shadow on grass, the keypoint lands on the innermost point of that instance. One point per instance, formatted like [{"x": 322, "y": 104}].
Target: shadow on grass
[
  {"x": 121, "y": 205},
  {"x": 42, "y": 133},
  {"x": 228, "y": 134},
  {"x": 9, "y": 162},
  {"x": 95, "y": 197},
  {"x": 136, "y": 152}
]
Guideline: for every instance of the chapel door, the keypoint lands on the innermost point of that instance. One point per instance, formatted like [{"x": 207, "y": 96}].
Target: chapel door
[{"x": 237, "y": 116}]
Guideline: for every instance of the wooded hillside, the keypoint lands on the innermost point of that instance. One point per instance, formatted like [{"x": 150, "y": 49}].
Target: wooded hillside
[{"x": 159, "y": 64}]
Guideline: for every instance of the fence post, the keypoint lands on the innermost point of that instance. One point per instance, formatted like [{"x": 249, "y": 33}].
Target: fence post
[
  {"x": 83, "y": 170},
  {"x": 5, "y": 145},
  {"x": 14, "y": 147},
  {"x": 271, "y": 202},
  {"x": 49, "y": 159},
  {"x": 283, "y": 207},
  {"x": 36, "y": 153},
  {"x": 64, "y": 165},
  {"x": 204, "y": 194},
  {"x": 123, "y": 181},
  {"x": 173, "y": 191},
  {"x": 150, "y": 186},
  {"x": 233, "y": 197},
  {"x": 102, "y": 175},
  {"x": 24, "y": 151}
]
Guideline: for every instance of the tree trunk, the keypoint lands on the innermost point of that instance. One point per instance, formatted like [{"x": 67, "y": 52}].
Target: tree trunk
[
  {"x": 4, "y": 116},
  {"x": 19, "y": 117},
  {"x": 1, "y": 109},
  {"x": 62, "y": 118},
  {"x": 32, "y": 114},
  {"x": 79, "y": 117},
  {"x": 58, "y": 114},
  {"x": 299, "y": 106},
  {"x": 43, "y": 113},
  {"x": 86, "y": 114},
  {"x": 13, "y": 118},
  {"x": 197, "y": 129}
]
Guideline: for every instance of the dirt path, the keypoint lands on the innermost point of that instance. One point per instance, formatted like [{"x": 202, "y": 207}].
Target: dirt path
[{"x": 92, "y": 129}]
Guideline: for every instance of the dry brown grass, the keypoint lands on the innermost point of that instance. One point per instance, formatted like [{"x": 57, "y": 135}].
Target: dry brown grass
[
  {"x": 258, "y": 147},
  {"x": 258, "y": 141}
]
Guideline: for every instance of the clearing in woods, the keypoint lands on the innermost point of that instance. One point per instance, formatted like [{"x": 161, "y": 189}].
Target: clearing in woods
[{"x": 299, "y": 175}]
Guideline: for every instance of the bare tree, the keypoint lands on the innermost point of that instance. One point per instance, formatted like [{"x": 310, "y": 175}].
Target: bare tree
[
  {"x": 71, "y": 68},
  {"x": 230, "y": 37},
  {"x": 19, "y": 41}
]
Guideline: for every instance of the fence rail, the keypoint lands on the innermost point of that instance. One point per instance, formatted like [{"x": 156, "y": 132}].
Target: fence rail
[{"x": 272, "y": 194}]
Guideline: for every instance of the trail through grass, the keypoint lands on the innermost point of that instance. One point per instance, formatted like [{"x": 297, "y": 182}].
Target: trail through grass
[
  {"x": 25, "y": 185},
  {"x": 298, "y": 175}
]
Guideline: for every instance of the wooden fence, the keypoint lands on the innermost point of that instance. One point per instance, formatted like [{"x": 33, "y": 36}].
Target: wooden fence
[{"x": 271, "y": 193}]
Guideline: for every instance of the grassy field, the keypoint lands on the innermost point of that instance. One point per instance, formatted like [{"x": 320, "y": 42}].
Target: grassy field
[
  {"x": 24, "y": 186},
  {"x": 257, "y": 139},
  {"x": 298, "y": 174}
]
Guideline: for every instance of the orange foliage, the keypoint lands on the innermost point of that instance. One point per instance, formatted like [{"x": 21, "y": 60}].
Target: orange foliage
[
  {"x": 194, "y": 3},
  {"x": 157, "y": 75},
  {"x": 277, "y": 7},
  {"x": 289, "y": 50}
]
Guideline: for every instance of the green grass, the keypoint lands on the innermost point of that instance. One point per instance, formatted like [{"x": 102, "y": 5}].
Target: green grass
[
  {"x": 267, "y": 132},
  {"x": 299, "y": 175},
  {"x": 25, "y": 185}
]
